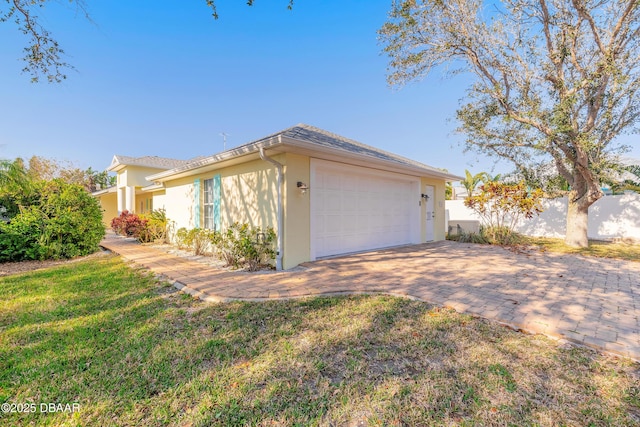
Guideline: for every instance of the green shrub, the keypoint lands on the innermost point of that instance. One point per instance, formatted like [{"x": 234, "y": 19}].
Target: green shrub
[
  {"x": 156, "y": 228},
  {"x": 470, "y": 237},
  {"x": 64, "y": 221},
  {"x": 19, "y": 238},
  {"x": 243, "y": 245},
  {"x": 489, "y": 235},
  {"x": 197, "y": 239},
  {"x": 500, "y": 235},
  {"x": 180, "y": 238},
  {"x": 240, "y": 246},
  {"x": 200, "y": 240},
  {"x": 501, "y": 206}
]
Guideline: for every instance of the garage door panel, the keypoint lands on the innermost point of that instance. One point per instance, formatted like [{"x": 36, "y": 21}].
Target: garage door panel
[
  {"x": 333, "y": 224},
  {"x": 357, "y": 209}
]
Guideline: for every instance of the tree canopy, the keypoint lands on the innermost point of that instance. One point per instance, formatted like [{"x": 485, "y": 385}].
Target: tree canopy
[
  {"x": 44, "y": 57},
  {"x": 554, "y": 80}
]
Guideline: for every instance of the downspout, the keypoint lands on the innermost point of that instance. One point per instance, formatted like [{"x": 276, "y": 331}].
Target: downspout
[{"x": 278, "y": 166}]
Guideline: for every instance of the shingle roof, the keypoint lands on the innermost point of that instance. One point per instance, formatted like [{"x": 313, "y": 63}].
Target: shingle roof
[
  {"x": 324, "y": 138},
  {"x": 148, "y": 161},
  {"x": 312, "y": 137}
]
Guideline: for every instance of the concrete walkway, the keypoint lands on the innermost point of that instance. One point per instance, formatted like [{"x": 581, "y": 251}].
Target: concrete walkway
[{"x": 586, "y": 300}]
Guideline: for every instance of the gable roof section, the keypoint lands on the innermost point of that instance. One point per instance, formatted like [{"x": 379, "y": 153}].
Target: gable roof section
[
  {"x": 156, "y": 162},
  {"x": 320, "y": 137},
  {"x": 310, "y": 138}
]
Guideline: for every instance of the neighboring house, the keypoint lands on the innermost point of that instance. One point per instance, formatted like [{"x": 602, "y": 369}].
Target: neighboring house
[{"x": 323, "y": 194}]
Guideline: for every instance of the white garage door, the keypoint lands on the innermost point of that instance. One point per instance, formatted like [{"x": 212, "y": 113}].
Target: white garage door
[{"x": 355, "y": 209}]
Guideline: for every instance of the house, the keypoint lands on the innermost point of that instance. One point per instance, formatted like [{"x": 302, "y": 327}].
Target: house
[
  {"x": 323, "y": 194},
  {"x": 127, "y": 194}
]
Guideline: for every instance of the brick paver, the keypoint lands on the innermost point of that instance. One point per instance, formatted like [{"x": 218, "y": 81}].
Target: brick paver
[{"x": 587, "y": 300}]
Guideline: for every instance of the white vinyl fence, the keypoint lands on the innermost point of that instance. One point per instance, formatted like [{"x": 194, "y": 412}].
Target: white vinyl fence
[{"x": 611, "y": 217}]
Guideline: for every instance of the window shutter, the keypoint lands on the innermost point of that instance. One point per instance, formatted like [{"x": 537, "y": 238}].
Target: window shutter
[
  {"x": 196, "y": 203},
  {"x": 217, "y": 193}
]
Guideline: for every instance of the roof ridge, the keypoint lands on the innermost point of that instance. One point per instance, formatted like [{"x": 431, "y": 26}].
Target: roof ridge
[
  {"x": 151, "y": 161},
  {"x": 363, "y": 145}
]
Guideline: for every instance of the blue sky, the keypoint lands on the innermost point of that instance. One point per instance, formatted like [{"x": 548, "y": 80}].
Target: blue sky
[{"x": 162, "y": 77}]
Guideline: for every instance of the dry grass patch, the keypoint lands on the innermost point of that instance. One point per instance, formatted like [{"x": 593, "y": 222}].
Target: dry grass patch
[
  {"x": 134, "y": 352},
  {"x": 620, "y": 250}
]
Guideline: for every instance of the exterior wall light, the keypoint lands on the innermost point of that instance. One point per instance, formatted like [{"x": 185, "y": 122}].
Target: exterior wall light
[
  {"x": 425, "y": 196},
  {"x": 302, "y": 187}
]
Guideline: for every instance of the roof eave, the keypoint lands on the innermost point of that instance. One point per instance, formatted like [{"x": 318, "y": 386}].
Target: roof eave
[
  {"x": 395, "y": 166},
  {"x": 193, "y": 168},
  {"x": 284, "y": 141},
  {"x": 98, "y": 193},
  {"x": 153, "y": 187}
]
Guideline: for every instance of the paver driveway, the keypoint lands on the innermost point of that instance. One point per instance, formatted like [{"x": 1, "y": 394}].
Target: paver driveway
[{"x": 593, "y": 301}]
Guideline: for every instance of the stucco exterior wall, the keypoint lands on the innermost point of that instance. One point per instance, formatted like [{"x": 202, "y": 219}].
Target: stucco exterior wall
[
  {"x": 159, "y": 200},
  {"x": 134, "y": 176},
  {"x": 249, "y": 193},
  {"x": 179, "y": 202},
  {"x": 439, "y": 209},
  {"x": 109, "y": 204},
  {"x": 297, "y": 237},
  {"x": 144, "y": 203}
]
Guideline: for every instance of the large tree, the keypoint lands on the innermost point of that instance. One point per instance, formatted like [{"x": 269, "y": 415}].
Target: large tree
[{"x": 555, "y": 79}]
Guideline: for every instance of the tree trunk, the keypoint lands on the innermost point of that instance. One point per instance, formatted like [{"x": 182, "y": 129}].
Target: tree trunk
[{"x": 577, "y": 221}]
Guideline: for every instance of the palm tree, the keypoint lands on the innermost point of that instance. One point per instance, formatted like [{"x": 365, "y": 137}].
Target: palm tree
[
  {"x": 633, "y": 184},
  {"x": 488, "y": 178},
  {"x": 15, "y": 186},
  {"x": 471, "y": 181},
  {"x": 12, "y": 175}
]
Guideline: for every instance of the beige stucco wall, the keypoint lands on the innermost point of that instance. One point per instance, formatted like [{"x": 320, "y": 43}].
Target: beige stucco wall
[
  {"x": 297, "y": 216},
  {"x": 159, "y": 200},
  {"x": 144, "y": 203},
  {"x": 439, "y": 208},
  {"x": 249, "y": 194},
  {"x": 179, "y": 202},
  {"x": 134, "y": 176},
  {"x": 109, "y": 204}
]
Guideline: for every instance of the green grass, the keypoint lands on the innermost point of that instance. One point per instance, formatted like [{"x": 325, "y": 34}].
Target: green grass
[
  {"x": 133, "y": 352},
  {"x": 596, "y": 248}
]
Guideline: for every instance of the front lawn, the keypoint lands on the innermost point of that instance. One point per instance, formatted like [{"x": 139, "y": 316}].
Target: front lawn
[{"x": 131, "y": 351}]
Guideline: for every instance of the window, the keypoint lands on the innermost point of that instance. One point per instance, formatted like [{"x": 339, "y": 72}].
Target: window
[{"x": 209, "y": 223}]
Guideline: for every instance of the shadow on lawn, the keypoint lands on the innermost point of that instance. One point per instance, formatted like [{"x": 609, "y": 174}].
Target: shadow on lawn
[{"x": 154, "y": 357}]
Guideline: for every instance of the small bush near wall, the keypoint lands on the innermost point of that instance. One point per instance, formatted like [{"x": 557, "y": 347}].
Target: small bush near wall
[
  {"x": 128, "y": 224},
  {"x": 63, "y": 221},
  {"x": 240, "y": 246},
  {"x": 501, "y": 206},
  {"x": 150, "y": 227},
  {"x": 489, "y": 235},
  {"x": 250, "y": 247},
  {"x": 180, "y": 238},
  {"x": 157, "y": 227},
  {"x": 198, "y": 240}
]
